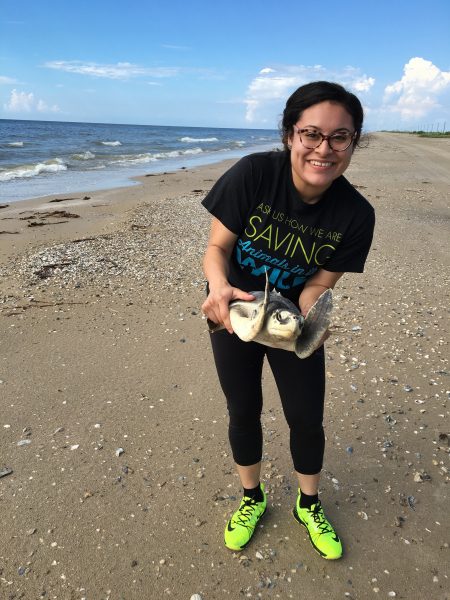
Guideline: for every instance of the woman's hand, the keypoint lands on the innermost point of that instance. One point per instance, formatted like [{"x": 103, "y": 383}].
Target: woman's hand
[
  {"x": 216, "y": 305},
  {"x": 309, "y": 297},
  {"x": 216, "y": 267}
]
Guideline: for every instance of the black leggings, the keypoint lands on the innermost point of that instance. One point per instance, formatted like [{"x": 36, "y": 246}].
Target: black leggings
[{"x": 301, "y": 385}]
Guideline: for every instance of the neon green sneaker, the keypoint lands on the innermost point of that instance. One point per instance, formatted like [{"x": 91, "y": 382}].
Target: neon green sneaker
[
  {"x": 241, "y": 526},
  {"x": 321, "y": 533}
]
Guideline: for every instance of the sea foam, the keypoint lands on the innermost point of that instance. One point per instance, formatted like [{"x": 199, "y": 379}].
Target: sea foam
[{"x": 116, "y": 143}]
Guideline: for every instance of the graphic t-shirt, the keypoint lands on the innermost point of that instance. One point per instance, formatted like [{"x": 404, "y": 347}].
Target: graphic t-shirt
[{"x": 280, "y": 234}]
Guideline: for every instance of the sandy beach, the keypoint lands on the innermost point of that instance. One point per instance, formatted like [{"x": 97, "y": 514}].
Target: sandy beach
[{"x": 114, "y": 427}]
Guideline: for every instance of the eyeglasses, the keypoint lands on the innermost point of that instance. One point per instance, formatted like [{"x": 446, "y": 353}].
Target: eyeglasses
[{"x": 311, "y": 139}]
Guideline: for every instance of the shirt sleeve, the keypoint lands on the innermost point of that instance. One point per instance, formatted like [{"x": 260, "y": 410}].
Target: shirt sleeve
[
  {"x": 351, "y": 254},
  {"x": 232, "y": 196}
]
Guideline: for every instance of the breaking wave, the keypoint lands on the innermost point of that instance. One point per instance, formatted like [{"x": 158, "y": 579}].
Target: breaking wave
[
  {"x": 116, "y": 143},
  {"x": 135, "y": 159},
  {"x": 176, "y": 153},
  {"x": 25, "y": 171},
  {"x": 191, "y": 139},
  {"x": 83, "y": 156},
  {"x": 149, "y": 157}
]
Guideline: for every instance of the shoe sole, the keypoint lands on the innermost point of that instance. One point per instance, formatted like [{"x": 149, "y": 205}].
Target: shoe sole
[
  {"x": 322, "y": 554},
  {"x": 251, "y": 537}
]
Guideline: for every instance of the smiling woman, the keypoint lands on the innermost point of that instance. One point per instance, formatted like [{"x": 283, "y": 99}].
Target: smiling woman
[
  {"x": 291, "y": 219},
  {"x": 315, "y": 168}
]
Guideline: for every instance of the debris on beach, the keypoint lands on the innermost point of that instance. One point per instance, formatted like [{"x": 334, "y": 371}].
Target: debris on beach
[
  {"x": 137, "y": 250},
  {"x": 5, "y": 471}
]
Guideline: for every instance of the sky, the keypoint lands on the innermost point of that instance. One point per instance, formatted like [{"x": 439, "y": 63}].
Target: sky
[{"x": 227, "y": 63}]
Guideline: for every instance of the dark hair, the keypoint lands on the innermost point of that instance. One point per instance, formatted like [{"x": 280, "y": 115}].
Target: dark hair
[{"x": 320, "y": 91}]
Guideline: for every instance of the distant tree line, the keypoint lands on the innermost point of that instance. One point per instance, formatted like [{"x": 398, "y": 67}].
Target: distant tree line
[{"x": 433, "y": 130}]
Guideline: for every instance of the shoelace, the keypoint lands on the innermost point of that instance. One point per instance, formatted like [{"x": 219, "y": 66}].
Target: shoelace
[
  {"x": 319, "y": 519},
  {"x": 246, "y": 512}
]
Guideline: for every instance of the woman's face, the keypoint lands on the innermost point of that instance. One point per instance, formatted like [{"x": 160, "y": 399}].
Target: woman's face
[{"x": 313, "y": 171}]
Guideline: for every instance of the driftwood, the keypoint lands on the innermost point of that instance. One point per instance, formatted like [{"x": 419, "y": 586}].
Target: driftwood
[
  {"x": 47, "y": 270},
  {"x": 68, "y": 199},
  {"x": 52, "y": 214},
  {"x": 36, "y": 304}
]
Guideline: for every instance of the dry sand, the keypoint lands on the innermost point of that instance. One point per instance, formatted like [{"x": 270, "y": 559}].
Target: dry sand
[{"x": 115, "y": 428}]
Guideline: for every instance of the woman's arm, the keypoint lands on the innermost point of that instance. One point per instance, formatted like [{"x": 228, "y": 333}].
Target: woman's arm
[
  {"x": 315, "y": 286},
  {"x": 216, "y": 269}
]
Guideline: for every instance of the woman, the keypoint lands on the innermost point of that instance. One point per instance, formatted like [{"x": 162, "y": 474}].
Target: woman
[{"x": 293, "y": 215}]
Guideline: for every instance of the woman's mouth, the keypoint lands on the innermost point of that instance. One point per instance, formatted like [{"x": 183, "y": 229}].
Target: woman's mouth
[{"x": 321, "y": 163}]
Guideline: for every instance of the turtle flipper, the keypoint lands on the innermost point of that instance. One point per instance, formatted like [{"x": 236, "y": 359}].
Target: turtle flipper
[{"x": 316, "y": 324}]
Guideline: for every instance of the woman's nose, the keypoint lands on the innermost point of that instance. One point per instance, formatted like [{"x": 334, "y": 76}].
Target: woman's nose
[{"x": 324, "y": 148}]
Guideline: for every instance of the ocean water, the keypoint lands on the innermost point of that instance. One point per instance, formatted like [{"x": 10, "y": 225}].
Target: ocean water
[{"x": 38, "y": 158}]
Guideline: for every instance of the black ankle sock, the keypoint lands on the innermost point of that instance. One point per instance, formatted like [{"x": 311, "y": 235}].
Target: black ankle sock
[
  {"x": 255, "y": 493},
  {"x": 307, "y": 501}
]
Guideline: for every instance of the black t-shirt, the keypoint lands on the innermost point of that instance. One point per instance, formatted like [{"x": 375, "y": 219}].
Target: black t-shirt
[{"x": 279, "y": 233}]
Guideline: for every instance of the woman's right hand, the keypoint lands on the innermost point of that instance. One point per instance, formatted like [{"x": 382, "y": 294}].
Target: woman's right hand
[
  {"x": 216, "y": 267},
  {"x": 216, "y": 305}
]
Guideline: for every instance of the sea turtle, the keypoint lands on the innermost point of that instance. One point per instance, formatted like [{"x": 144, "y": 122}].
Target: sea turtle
[{"x": 273, "y": 320}]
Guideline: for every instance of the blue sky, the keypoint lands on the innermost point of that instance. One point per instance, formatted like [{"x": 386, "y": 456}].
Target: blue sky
[{"x": 222, "y": 64}]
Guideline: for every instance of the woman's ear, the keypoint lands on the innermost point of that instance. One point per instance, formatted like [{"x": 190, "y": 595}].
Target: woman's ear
[{"x": 289, "y": 140}]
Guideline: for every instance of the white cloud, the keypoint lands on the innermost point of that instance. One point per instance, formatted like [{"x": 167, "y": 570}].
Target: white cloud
[
  {"x": 7, "y": 80},
  {"x": 416, "y": 93},
  {"x": 21, "y": 102},
  {"x": 175, "y": 47},
  {"x": 121, "y": 70},
  {"x": 364, "y": 84},
  {"x": 268, "y": 91}
]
